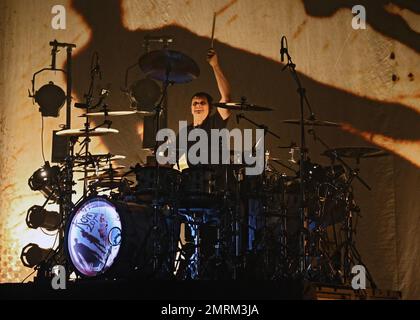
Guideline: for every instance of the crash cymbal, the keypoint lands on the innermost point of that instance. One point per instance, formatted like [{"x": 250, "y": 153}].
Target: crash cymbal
[
  {"x": 174, "y": 66},
  {"x": 355, "y": 152},
  {"x": 313, "y": 123},
  {"x": 82, "y": 132},
  {"x": 241, "y": 106},
  {"x": 117, "y": 113}
]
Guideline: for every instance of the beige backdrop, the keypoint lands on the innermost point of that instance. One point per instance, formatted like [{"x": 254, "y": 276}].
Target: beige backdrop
[{"x": 367, "y": 79}]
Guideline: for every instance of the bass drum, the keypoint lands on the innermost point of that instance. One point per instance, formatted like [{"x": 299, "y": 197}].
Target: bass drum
[{"x": 107, "y": 238}]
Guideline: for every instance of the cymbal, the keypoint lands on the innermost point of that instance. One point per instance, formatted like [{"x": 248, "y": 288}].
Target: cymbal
[
  {"x": 95, "y": 158},
  {"x": 104, "y": 169},
  {"x": 111, "y": 157},
  {"x": 240, "y": 106},
  {"x": 116, "y": 113},
  {"x": 82, "y": 132},
  {"x": 308, "y": 122},
  {"x": 111, "y": 184},
  {"x": 106, "y": 175},
  {"x": 174, "y": 66},
  {"x": 355, "y": 152}
]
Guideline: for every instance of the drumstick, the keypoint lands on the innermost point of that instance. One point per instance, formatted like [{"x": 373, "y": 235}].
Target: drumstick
[{"x": 212, "y": 31}]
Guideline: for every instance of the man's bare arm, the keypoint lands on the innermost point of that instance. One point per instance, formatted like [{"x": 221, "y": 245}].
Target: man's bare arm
[{"x": 222, "y": 82}]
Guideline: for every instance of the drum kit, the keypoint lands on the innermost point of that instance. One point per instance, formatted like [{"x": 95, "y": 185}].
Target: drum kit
[{"x": 208, "y": 222}]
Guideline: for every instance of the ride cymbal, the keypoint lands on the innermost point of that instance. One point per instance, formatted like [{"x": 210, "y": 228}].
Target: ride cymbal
[
  {"x": 169, "y": 65},
  {"x": 309, "y": 122},
  {"x": 355, "y": 152}
]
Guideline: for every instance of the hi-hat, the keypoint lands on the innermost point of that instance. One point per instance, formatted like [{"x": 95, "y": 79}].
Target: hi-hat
[
  {"x": 241, "y": 106},
  {"x": 309, "y": 122},
  {"x": 82, "y": 132},
  {"x": 355, "y": 152},
  {"x": 168, "y": 65}
]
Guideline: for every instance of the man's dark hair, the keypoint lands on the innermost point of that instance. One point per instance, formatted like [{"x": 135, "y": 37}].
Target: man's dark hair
[{"x": 203, "y": 94}]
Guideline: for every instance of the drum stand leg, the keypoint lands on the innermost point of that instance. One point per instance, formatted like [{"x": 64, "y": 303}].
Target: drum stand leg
[
  {"x": 351, "y": 254},
  {"x": 194, "y": 265}
]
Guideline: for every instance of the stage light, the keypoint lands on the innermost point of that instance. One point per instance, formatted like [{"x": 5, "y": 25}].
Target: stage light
[
  {"x": 46, "y": 180},
  {"x": 33, "y": 255},
  {"x": 38, "y": 217},
  {"x": 51, "y": 99},
  {"x": 145, "y": 94}
]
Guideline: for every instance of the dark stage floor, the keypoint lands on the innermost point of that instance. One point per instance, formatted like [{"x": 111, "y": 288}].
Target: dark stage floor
[{"x": 159, "y": 290}]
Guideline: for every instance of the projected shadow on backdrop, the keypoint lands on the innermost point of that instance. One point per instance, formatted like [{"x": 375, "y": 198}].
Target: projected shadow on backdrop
[
  {"x": 259, "y": 79},
  {"x": 377, "y": 16}
]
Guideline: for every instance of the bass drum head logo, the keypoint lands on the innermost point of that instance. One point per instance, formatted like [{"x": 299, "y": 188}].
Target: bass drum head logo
[{"x": 94, "y": 237}]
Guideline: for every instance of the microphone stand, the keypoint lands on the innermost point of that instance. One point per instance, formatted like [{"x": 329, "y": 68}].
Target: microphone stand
[{"x": 303, "y": 156}]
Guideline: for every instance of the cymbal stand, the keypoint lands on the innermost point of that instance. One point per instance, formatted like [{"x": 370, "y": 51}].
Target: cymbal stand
[
  {"x": 303, "y": 155},
  {"x": 260, "y": 126},
  {"x": 263, "y": 240},
  {"x": 159, "y": 108},
  {"x": 94, "y": 72},
  {"x": 353, "y": 173},
  {"x": 351, "y": 254}
]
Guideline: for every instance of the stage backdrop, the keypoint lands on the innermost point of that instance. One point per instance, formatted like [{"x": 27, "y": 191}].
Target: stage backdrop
[{"x": 367, "y": 79}]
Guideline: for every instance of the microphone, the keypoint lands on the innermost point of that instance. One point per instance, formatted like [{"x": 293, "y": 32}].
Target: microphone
[
  {"x": 97, "y": 68},
  {"x": 160, "y": 39},
  {"x": 283, "y": 49}
]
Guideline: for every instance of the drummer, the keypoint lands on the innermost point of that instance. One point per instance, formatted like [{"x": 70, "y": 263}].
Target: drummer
[
  {"x": 201, "y": 106},
  {"x": 203, "y": 118}
]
